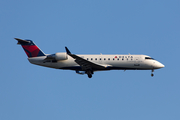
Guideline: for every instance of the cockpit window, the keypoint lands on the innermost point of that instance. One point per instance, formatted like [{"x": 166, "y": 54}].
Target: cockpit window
[{"x": 149, "y": 58}]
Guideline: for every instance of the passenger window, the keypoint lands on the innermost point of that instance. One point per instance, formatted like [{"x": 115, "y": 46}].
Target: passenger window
[
  {"x": 131, "y": 56},
  {"x": 91, "y": 58},
  {"x": 104, "y": 58},
  {"x": 125, "y": 56},
  {"x": 99, "y": 58},
  {"x": 119, "y": 56},
  {"x": 108, "y": 58},
  {"x": 113, "y": 58},
  {"x": 122, "y": 56},
  {"x": 123, "y": 59},
  {"x": 87, "y": 58},
  {"x": 95, "y": 58},
  {"x": 118, "y": 59}
]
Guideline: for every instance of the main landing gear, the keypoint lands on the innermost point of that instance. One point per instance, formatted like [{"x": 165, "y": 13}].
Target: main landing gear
[
  {"x": 89, "y": 73},
  {"x": 152, "y": 73}
]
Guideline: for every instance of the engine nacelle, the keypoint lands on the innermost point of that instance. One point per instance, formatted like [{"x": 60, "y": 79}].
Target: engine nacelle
[
  {"x": 61, "y": 56},
  {"x": 58, "y": 56}
]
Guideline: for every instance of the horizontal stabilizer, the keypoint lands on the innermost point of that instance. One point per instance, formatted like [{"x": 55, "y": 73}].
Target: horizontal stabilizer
[{"x": 20, "y": 41}]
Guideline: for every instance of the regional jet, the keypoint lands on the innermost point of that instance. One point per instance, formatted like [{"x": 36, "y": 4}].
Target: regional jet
[{"x": 87, "y": 64}]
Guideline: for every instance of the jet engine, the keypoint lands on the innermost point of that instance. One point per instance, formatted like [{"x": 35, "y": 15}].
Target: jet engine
[{"x": 58, "y": 56}]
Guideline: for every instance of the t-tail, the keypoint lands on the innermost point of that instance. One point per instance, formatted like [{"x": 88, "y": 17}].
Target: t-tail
[{"x": 30, "y": 48}]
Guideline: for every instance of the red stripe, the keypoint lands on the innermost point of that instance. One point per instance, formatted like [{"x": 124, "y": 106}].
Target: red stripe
[{"x": 33, "y": 49}]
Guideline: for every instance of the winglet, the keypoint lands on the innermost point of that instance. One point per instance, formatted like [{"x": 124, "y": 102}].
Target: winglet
[{"x": 67, "y": 50}]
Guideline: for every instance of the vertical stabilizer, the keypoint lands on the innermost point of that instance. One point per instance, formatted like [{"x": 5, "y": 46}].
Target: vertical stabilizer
[{"x": 30, "y": 48}]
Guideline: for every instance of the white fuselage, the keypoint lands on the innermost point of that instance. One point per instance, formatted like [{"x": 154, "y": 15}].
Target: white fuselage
[
  {"x": 111, "y": 62},
  {"x": 87, "y": 64}
]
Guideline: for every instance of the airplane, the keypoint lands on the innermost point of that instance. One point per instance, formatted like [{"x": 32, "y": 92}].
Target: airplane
[{"x": 87, "y": 64}]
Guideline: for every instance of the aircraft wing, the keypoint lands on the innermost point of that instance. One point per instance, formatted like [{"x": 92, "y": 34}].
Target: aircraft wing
[{"x": 85, "y": 64}]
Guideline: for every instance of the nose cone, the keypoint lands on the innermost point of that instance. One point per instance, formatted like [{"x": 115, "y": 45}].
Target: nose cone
[{"x": 159, "y": 65}]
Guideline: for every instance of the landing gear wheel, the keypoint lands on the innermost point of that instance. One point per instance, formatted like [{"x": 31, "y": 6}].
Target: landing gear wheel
[
  {"x": 152, "y": 75},
  {"x": 90, "y": 75}
]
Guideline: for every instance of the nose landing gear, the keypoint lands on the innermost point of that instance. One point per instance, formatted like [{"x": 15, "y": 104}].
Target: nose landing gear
[{"x": 152, "y": 73}]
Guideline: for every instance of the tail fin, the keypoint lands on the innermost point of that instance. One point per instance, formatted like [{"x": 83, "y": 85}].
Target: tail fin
[{"x": 30, "y": 48}]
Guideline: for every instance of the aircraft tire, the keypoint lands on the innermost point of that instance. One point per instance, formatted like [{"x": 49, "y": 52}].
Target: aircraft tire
[
  {"x": 90, "y": 75},
  {"x": 152, "y": 75}
]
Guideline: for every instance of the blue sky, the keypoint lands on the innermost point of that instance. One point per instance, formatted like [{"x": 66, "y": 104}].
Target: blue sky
[{"x": 90, "y": 27}]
